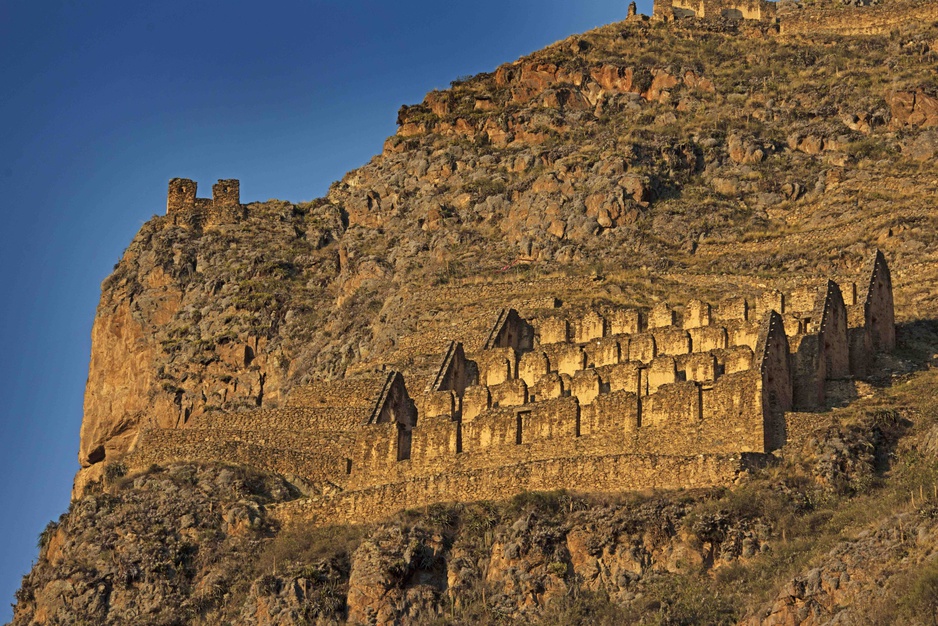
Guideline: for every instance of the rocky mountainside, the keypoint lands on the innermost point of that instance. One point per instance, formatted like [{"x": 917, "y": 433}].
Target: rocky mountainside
[
  {"x": 841, "y": 530},
  {"x": 656, "y": 159},
  {"x": 640, "y": 152}
]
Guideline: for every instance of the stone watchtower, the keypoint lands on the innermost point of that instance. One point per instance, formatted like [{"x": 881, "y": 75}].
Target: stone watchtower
[
  {"x": 181, "y": 195},
  {"x": 227, "y": 193},
  {"x": 183, "y": 205}
]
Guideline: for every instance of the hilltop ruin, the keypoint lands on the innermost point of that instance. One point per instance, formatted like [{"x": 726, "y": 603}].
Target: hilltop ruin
[
  {"x": 184, "y": 208},
  {"x": 669, "y": 10}
]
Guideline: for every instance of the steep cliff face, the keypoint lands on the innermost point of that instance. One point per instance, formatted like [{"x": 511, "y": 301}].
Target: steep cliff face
[{"x": 221, "y": 319}]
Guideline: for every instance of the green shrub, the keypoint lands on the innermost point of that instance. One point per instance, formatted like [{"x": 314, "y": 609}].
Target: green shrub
[
  {"x": 443, "y": 517},
  {"x": 113, "y": 472},
  {"x": 685, "y": 601},
  {"x": 479, "y": 518},
  {"x": 46, "y": 535},
  {"x": 485, "y": 187},
  {"x": 545, "y": 502}
]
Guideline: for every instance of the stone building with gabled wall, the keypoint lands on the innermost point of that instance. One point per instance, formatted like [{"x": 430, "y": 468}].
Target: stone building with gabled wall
[{"x": 597, "y": 400}]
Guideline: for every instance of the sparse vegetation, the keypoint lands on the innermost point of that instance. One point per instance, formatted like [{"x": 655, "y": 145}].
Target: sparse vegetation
[{"x": 504, "y": 192}]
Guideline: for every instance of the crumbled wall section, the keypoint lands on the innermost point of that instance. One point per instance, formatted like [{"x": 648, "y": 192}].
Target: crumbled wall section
[
  {"x": 553, "y": 330},
  {"x": 496, "y": 365},
  {"x": 874, "y": 19},
  {"x": 599, "y": 399},
  {"x": 437, "y": 404},
  {"x": 186, "y": 209},
  {"x": 669, "y": 10},
  {"x": 697, "y": 314}
]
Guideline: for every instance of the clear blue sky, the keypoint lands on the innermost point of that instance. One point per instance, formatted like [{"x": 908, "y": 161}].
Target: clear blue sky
[{"x": 104, "y": 101}]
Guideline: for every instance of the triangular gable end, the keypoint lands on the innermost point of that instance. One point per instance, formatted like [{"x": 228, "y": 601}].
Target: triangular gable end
[
  {"x": 453, "y": 373},
  {"x": 831, "y": 311},
  {"x": 510, "y": 331},
  {"x": 772, "y": 357},
  {"x": 879, "y": 308},
  {"x": 394, "y": 405}
]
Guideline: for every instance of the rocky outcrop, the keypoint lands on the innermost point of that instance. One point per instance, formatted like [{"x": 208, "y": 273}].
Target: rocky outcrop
[
  {"x": 162, "y": 549},
  {"x": 476, "y": 113},
  {"x": 397, "y": 576},
  {"x": 913, "y": 109},
  {"x": 194, "y": 321},
  {"x": 923, "y": 147},
  {"x": 851, "y": 583}
]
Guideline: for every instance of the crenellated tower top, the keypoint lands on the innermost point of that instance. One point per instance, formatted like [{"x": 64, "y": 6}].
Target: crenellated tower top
[{"x": 224, "y": 206}]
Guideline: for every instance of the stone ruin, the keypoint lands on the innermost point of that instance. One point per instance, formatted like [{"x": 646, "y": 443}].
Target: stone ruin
[
  {"x": 669, "y": 10},
  {"x": 606, "y": 400},
  {"x": 186, "y": 209}
]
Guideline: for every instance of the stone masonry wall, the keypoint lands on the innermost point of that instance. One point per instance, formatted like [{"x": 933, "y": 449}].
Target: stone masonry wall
[
  {"x": 612, "y": 473},
  {"x": 845, "y": 20},
  {"x": 714, "y": 9},
  {"x": 183, "y": 205},
  {"x": 306, "y": 419},
  {"x": 314, "y": 458},
  {"x": 671, "y": 396}
]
